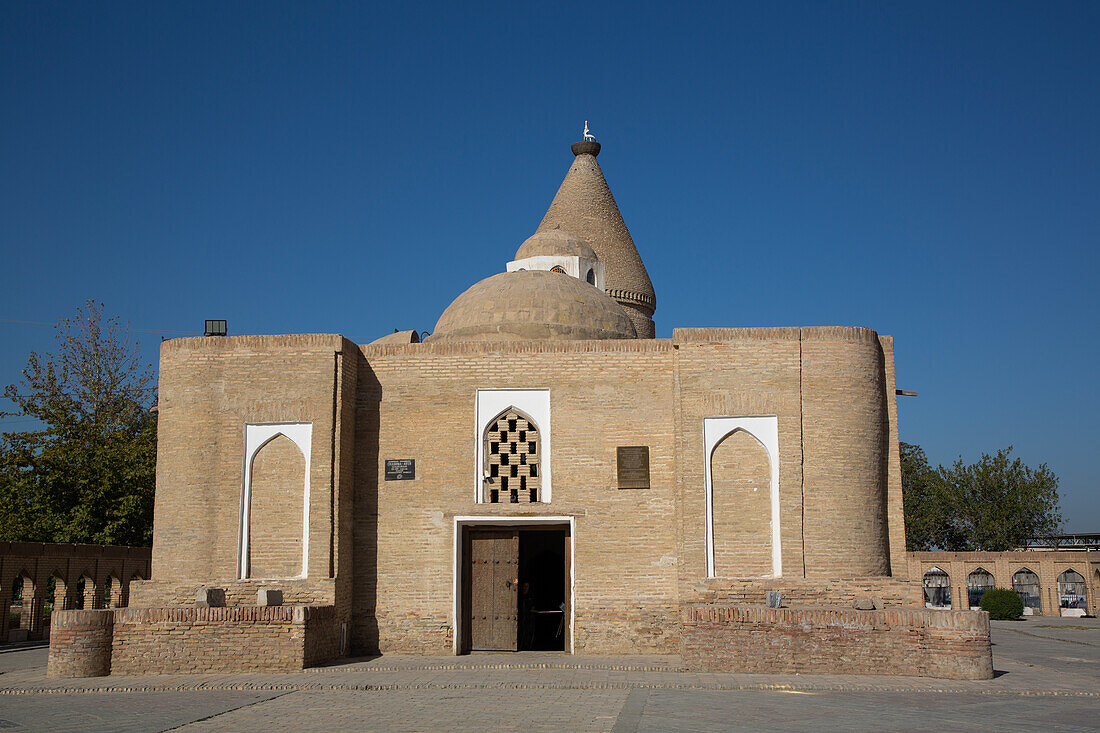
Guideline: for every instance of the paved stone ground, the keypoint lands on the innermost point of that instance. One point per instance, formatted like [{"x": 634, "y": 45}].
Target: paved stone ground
[{"x": 1048, "y": 679}]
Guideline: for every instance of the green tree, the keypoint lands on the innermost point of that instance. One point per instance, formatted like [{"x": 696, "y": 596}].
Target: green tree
[
  {"x": 997, "y": 503},
  {"x": 927, "y": 525},
  {"x": 87, "y": 474},
  {"x": 994, "y": 505}
]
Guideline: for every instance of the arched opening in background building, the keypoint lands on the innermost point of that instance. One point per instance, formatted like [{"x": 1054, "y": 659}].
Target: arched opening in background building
[
  {"x": 977, "y": 583},
  {"x": 937, "y": 589},
  {"x": 1071, "y": 593},
  {"x": 1026, "y": 584}
]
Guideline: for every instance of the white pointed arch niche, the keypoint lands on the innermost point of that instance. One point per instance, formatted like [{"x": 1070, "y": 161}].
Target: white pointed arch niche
[
  {"x": 256, "y": 436},
  {"x": 765, "y": 428},
  {"x": 535, "y": 405}
]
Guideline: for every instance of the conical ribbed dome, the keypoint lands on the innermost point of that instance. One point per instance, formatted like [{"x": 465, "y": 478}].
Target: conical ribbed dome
[{"x": 584, "y": 206}]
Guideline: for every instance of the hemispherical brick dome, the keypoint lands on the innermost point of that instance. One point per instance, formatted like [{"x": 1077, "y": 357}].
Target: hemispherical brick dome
[
  {"x": 555, "y": 243},
  {"x": 532, "y": 305}
]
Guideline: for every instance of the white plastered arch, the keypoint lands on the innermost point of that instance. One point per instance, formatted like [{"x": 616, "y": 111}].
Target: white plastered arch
[
  {"x": 765, "y": 428},
  {"x": 256, "y": 436},
  {"x": 535, "y": 404}
]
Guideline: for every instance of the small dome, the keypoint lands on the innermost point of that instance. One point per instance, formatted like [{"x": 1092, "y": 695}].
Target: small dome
[
  {"x": 555, "y": 243},
  {"x": 397, "y": 337},
  {"x": 532, "y": 305}
]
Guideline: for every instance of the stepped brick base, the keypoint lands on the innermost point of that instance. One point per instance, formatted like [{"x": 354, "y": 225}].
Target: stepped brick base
[{"x": 916, "y": 642}]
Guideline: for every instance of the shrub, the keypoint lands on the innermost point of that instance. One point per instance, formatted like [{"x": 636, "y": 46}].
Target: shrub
[{"x": 1002, "y": 603}]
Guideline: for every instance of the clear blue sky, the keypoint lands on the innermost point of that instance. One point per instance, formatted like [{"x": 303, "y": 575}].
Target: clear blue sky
[{"x": 930, "y": 170}]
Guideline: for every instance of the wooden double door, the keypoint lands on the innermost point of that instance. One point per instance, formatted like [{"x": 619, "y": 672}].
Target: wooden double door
[{"x": 497, "y": 599}]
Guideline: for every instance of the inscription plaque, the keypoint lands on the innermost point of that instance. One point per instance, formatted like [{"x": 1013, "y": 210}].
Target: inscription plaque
[
  {"x": 633, "y": 466},
  {"x": 400, "y": 469}
]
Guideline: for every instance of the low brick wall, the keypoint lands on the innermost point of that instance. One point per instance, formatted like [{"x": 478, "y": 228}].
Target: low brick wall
[
  {"x": 236, "y": 639},
  {"x": 916, "y": 642},
  {"x": 80, "y": 644},
  {"x": 193, "y": 640}
]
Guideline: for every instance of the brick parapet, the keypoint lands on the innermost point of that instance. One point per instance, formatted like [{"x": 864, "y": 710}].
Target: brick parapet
[
  {"x": 916, "y": 642},
  {"x": 806, "y": 593},
  {"x": 459, "y": 348},
  {"x": 851, "y": 334},
  {"x": 306, "y": 591},
  {"x": 261, "y": 342}
]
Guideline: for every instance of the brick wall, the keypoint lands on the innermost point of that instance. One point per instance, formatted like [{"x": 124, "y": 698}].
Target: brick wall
[
  {"x": 916, "y": 642},
  {"x": 209, "y": 389},
  {"x": 241, "y": 639},
  {"x": 388, "y": 546},
  {"x": 845, "y": 434},
  {"x": 895, "y": 514},
  {"x": 418, "y": 401},
  {"x": 828, "y": 388}
]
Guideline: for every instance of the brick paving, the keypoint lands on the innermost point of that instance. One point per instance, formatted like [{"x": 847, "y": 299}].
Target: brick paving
[{"x": 1048, "y": 678}]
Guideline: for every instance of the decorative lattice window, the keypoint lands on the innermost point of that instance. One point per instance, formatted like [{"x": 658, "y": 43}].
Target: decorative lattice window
[
  {"x": 558, "y": 268},
  {"x": 512, "y": 472}
]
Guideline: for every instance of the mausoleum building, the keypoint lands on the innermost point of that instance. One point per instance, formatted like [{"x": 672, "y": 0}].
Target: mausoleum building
[{"x": 538, "y": 473}]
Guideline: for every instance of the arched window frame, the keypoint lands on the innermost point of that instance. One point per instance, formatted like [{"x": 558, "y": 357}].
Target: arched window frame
[
  {"x": 1065, "y": 581},
  {"x": 486, "y": 460},
  {"x": 256, "y": 436},
  {"x": 535, "y": 405},
  {"x": 973, "y": 599},
  {"x": 1031, "y": 600},
  {"x": 936, "y": 572},
  {"x": 765, "y": 428}
]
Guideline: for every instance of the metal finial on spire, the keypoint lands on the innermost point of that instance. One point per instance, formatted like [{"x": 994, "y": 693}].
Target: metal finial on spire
[{"x": 588, "y": 136}]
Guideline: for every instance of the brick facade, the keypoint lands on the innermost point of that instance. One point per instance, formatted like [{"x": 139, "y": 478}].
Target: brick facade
[{"x": 386, "y": 548}]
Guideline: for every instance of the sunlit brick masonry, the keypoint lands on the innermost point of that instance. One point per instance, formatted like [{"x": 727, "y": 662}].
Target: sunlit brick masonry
[{"x": 537, "y": 473}]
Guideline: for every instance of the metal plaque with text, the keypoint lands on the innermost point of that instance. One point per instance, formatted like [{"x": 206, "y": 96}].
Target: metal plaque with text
[
  {"x": 633, "y": 466},
  {"x": 400, "y": 469}
]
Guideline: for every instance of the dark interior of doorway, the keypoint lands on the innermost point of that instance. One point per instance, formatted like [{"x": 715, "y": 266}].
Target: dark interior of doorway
[{"x": 543, "y": 608}]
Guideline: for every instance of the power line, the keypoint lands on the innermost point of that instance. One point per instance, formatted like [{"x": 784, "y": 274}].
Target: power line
[{"x": 134, "y": 330}]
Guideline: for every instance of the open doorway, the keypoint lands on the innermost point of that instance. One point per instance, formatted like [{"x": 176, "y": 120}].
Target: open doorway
[
  {"x": 515, "y": 588},
  {"x": 542, "y": 591}
]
